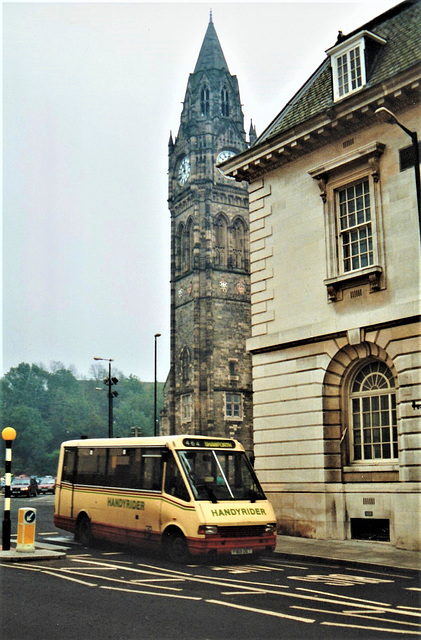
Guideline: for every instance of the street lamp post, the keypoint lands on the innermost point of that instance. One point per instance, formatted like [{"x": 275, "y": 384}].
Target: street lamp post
[
  {"x": 111, "y": 394},
  {"x": 155, "y": 423},
  {"x": 392, "y": 119}
]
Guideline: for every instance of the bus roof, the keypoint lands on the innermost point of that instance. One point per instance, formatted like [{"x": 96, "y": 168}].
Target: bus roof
[{"x": 176, "y": 441}]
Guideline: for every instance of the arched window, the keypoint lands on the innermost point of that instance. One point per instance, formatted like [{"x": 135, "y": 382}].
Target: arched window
[
  {"x": 185, "y": 365},
  {"x": 225, "y": 108},
  {"x": 372, "y": 399},
  {"x": 179, "y": 249},
  {"x": 220, "y": 242},
  {"x": 185, "y": 239},
  {"x": 238, "y": 244},
  {"x": 204, "y": 100}
]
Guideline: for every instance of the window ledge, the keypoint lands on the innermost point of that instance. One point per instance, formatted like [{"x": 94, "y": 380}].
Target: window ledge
[
  {"x": 372, "y": 467},
  {"x": 371, "y": 275}
]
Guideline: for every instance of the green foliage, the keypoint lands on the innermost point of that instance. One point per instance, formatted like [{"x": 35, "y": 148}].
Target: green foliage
[{"x": 49, "y": 407}]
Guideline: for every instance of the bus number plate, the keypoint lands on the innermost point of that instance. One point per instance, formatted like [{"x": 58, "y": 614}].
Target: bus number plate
[{"x": 241, "y": 552}]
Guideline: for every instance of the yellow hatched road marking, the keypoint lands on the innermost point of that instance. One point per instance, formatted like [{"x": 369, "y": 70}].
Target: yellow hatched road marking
[
  {"x": 354, "y": 614},
  {"x": 266, "y": 612},
  {"x": 152, "y": 593},
  {"x": 356, "y": 626},
  {"x": 60, "y": 575},
  {"x": 105, "y": 578},
  {"x": 351, "y": 600}
]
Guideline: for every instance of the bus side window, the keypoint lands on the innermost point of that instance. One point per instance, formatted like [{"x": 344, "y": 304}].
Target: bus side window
[
  {"x": 174, "y": 483},
  {"x": 67, "y": 473},
  {"x": 151, "y": 469}
]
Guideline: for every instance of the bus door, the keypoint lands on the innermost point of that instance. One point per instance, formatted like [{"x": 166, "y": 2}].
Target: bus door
[
  {"x": 173, "y": 510},
  {"x": 149, "y": 463},
  {"x": 65, "y": 499}
]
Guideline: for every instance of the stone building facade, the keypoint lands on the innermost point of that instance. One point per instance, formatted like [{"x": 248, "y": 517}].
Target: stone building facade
[
  {"x": 208, "y": 390},
  {"x": 335, "y": 292}
]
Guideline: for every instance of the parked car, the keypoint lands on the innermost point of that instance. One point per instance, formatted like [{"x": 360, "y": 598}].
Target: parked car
[
  {"x": 47, "y": 485},
  {"x": 24, "y": 487}
]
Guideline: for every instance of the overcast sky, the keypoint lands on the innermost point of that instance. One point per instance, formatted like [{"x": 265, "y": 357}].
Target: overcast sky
[{"x": 91, "y": 92}]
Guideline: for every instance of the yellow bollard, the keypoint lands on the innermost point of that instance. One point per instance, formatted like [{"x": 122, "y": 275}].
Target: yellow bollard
[{"x": 26, "y": 530}]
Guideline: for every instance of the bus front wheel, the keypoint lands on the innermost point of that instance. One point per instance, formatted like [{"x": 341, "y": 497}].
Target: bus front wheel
[
  {"x": 176, "y": 547},
  {"x": 84, "y": 531}
]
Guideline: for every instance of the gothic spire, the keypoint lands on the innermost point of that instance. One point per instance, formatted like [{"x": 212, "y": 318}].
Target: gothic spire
[{"x": 211, "y": 55}]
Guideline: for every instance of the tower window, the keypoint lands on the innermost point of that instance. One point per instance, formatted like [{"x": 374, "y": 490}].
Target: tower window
[
  {"x": 220, "y": 242},
  {"x": 185, "y": 254},
  {"x": 373, "y": 414},
  {"x": 225, "y": 108},
  {"x": 238, "y": 245},
  {"x": 233, "y": 405},
  {"x": 185, "y": 366},
  {"x": 204, "y": 100},
  {"x": 186, "y": 407}
]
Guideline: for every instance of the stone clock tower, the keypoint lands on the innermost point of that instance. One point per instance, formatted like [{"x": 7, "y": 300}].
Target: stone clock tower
[{"x": 209, "y": 391}]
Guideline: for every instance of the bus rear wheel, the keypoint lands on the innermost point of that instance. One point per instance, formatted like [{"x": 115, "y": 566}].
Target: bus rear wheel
[
  {"x": 176, "y": 547},
  {"x": 84, "y": 531}
]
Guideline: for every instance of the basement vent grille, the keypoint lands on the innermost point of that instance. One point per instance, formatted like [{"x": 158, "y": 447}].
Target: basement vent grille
[{"x": 369, "y": 500}]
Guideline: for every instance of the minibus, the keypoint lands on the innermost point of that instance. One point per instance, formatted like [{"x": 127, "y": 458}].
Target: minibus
[{"x": 189, "y": 495}]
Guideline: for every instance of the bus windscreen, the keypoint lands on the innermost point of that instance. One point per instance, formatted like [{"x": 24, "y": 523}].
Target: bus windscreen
[{"x": 220, "y": 475}]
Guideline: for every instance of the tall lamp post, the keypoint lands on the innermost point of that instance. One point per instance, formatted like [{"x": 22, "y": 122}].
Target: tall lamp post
[
  {"x": 155, "y": 423},
  {"x": 111, "y": 394},
  {"x": 392, "y": 119}
]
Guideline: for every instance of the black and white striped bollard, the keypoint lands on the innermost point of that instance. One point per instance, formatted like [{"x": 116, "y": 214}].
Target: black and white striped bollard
[{"x": 8, "y": 434}]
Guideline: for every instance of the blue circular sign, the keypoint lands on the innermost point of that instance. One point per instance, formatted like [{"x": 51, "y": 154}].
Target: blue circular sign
[{"x": 30, "y": 516}]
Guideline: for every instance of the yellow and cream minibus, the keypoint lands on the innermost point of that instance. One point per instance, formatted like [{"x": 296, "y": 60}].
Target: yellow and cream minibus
[{"x": 191, "y": 495}]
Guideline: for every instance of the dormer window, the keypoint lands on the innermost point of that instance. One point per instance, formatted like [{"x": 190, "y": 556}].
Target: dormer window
[
  {"x": 352, "y": 60},
  {"x": 349, "y": 71}
]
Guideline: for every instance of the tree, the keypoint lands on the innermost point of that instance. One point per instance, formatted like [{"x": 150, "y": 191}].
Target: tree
[{"x": 49, "y": 407}]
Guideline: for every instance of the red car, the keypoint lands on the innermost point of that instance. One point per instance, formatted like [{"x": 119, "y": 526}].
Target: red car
[{"x": 46, "y": 485}]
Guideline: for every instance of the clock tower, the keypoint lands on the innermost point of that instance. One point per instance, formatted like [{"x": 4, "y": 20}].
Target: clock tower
[{"x": 209, "y": 388}]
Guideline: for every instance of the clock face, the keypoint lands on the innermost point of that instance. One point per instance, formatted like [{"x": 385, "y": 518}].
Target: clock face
[
  {"x": 184, "y": 171},
  {"x": 224, "y": 155}
]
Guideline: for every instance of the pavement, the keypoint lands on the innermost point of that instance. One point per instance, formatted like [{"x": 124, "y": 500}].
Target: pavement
[
  {"x": 357, "y": 552},
  {"x": 350, "y": 552}
]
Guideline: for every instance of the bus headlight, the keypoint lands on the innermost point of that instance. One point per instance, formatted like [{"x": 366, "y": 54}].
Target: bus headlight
[
  {"x": 270, "y": 528},
  {"x": 207, "y": 530}
]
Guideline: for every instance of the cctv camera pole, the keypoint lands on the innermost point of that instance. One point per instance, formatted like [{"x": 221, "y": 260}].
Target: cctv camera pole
[
  {"x": 8, "y": 435},
  {"x": 155, "y": 422},
  {"x": 111, "y": 394},
  {"x": 110, "y": 403}
]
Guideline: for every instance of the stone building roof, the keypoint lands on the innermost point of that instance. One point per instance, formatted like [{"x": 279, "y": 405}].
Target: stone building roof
[{"x": 399, "y": 26}]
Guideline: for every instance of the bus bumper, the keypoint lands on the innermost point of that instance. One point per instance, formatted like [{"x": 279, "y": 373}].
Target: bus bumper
[{"x": 212, "y": 545}]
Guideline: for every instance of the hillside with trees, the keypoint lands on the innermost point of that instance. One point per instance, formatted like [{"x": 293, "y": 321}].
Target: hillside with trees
[{"x": 46, "y": 407}]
